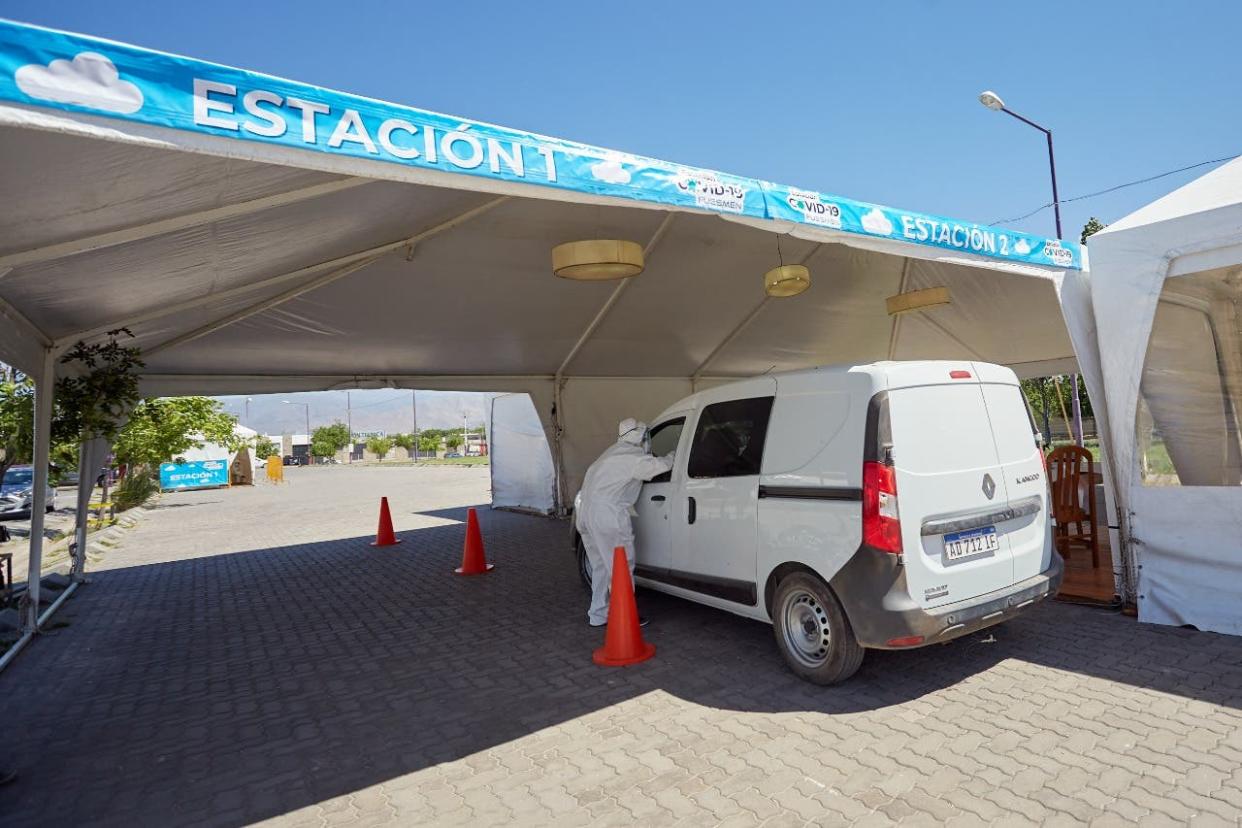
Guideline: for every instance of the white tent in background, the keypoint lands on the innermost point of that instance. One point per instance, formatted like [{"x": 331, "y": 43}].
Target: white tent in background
[
  {"x": 523, "y": 476},
  {"x": 1166, "y": 283},
  {"x": 259, "y": 235}
]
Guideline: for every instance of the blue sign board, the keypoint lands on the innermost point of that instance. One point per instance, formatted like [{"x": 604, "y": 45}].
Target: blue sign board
[
  {"x": 199, "y": 474},
  {"x": 52, "y": 69}
]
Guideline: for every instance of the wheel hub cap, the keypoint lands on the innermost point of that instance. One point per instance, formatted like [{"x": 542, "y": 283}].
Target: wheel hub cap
[{"x": 806, "y": 629}]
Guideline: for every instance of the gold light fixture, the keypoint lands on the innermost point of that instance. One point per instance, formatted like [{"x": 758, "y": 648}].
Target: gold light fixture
[
  {"x": 597, "y": 259},
  {"x": 917, "y": 300},
  {"x": 786, "y": 280}
]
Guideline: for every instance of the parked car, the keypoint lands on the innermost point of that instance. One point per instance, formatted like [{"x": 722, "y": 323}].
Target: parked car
[
  {"x": 69, "y": 477},
  {"x": 452, "y": 455},
  {"x": 886, "y": 506},
  {"x": 16, "y": 492},
  {"x": 292, "y": 460}
]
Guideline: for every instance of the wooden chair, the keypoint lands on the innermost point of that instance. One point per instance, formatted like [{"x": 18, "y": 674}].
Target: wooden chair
[{"x": 1071, "y": 476}]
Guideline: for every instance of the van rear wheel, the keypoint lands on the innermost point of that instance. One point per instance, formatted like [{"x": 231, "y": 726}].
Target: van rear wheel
[
  {"x": 812, "y": 632},
  {"x": 584, "y": 565}
]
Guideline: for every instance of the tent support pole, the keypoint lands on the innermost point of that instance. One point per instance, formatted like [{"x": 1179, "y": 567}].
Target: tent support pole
[
  {"x": 148, "y": 230},
  {"x": 45, "y": 393},
  {"x": 357, "y": 262},
  {"x": 559, "y": 380},
  {"x": 895, "y": 332},
  {"x": 741, "y": 326},
  {"x": 291, "y": 276}
]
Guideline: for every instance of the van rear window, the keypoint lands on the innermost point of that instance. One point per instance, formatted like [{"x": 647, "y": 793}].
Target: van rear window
[{"x": 940, "y": 428}]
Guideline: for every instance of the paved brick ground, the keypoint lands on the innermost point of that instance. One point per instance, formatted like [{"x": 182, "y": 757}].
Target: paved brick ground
[{"x": 246, "y": 655}]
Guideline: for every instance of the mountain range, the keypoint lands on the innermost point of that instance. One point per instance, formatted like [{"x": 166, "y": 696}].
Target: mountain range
[{"x": 387, "y": 410}]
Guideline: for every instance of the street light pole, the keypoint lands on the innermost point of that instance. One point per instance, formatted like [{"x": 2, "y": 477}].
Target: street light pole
[
  {"x": 414, "y": 411},
  {"x": 349, "y": 424},
  {"x": 993, "y": 102}
]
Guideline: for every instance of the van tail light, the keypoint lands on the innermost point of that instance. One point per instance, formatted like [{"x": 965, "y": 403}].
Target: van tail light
[
  {"x": 881, "y": 522},
  {"x": 959, "y": 375}
]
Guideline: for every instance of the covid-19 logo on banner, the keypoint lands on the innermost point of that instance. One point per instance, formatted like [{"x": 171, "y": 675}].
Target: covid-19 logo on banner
[
  {"x": 815, "y": 210},
  {"x": 711, "y": 193}
]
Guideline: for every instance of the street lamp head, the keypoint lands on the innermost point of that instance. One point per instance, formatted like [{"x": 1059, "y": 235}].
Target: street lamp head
[{"x": 991, "y": 100}]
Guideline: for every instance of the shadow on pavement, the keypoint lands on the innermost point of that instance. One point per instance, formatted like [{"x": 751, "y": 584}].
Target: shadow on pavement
[{"x": 248, "y": 685}]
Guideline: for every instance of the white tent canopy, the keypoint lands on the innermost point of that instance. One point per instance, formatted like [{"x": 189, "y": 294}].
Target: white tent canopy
[
  {"x": 258, "y": 235},
  {"x": 1166, "y": 286}
]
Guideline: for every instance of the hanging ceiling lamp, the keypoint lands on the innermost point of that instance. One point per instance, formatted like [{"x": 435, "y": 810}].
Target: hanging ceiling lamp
[
  {"x": 597, "y": 259},
  {"x": 915, "y": 300},
  {"x": 786, "y": 280}
]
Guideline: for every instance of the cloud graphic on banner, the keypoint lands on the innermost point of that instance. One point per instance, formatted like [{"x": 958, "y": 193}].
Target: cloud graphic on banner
[
  {"x": 1021, "y": 247},
  {"x": 611, "y": 171},
  {"x": 874, "y": 221},
  {"x": 88, "y": 80}
]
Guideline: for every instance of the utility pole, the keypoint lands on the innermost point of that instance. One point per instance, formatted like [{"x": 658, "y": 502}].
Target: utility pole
[
  {"x": 349, "y": 424},
  {"x": 414, "y": 410}
]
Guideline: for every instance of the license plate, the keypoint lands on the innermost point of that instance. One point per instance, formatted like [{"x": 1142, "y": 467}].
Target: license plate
[{"x": 981, "y": 541}]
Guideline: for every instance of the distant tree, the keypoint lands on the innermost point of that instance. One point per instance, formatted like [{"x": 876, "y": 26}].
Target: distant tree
[
  {"x": 1093, "y": 226},
  {"x": 405, "y": 441},
  {"x": 453, "y": 440},
  {"x": 428, "y": 443},
  {"x": 379, "y": 446},
  {"x": 327, "y": 440},
  {"x": 164, "y": 429},
  {"x": 265, "y": 448}
]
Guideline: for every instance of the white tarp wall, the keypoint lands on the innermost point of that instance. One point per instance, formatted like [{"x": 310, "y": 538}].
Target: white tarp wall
[
  {"x": 1165, "y": 284},
  {"x": 523, "y": 475}
]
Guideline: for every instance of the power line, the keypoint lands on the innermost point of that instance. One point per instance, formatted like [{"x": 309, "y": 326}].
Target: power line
[{"x": 1113, "y": 189}]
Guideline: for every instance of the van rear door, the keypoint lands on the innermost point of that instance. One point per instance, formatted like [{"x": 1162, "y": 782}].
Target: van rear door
[
  {"x": 1029, "y": 536},
  {"x": 949, "y": 480}
]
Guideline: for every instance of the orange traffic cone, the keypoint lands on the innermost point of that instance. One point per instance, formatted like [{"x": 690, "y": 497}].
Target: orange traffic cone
[
  {"x": 473, "y": 561},
  {"x": 384, "y": 535},
  {"x": 623, "y": 642}
]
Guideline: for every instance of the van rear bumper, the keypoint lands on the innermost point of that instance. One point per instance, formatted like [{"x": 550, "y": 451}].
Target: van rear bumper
[{"x": 895, "y": 615}]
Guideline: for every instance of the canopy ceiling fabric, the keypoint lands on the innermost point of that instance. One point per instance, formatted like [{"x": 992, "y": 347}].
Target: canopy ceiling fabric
[
  {"x": 249, "y": 266},
  {"x": 1175, "y": 264}
]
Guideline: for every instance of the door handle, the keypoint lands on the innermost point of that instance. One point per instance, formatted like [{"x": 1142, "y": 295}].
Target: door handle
[
  {"x": 658, "y": 498},
  {"x": 693, "y": 512}
]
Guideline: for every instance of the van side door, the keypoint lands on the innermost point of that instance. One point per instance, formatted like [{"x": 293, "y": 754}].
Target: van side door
[
  {"x": 654, "y": 531},
  {"x": 721, "y": 498}
]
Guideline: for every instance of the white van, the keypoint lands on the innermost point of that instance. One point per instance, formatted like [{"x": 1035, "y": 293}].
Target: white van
[{"x": 890, "y": 505}]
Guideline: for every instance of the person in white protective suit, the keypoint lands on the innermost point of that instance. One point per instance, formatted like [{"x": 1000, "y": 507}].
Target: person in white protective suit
[{"x": 607, "y": 499}]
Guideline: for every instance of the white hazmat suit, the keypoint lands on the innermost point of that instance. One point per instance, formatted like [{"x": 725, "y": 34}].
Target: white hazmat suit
[{"x": 609, "y": 492}]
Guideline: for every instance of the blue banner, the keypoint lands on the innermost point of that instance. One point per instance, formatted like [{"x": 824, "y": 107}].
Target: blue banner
[
  {"x": 70, "y": 72},
  {"x": 199, "y": 474}
]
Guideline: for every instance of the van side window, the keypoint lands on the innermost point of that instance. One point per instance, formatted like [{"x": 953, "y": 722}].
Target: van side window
[
  {"x": 664, "y": 440},
  {"x": 728, "y": 441}
]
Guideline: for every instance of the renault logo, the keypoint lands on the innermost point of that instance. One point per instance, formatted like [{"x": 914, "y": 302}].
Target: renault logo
[{"x": 989, "y": 486}]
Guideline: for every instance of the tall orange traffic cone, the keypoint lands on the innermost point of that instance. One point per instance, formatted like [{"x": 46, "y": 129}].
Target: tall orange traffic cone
[
  {"x": 384, "y": 535},
  {"x": 473, "y": 561},
  {"x": 623, "y": 642}
]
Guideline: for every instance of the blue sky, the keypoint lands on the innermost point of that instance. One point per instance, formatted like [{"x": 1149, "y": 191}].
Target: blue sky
[{"x": 873, "y": 101}]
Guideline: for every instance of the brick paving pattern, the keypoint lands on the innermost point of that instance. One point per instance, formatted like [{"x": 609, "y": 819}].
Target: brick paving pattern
[{"x": 245, "y": 656}]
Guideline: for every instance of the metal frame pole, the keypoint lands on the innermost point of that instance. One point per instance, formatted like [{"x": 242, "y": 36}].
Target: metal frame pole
[{"x": 45, "y": 393}]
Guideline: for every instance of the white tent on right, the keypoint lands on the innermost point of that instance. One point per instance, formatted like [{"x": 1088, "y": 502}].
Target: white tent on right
[{"x": 1166, "y": 283}]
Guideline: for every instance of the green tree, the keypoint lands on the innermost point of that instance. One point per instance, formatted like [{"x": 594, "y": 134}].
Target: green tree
[
  {"x": 379, "y": 446},
  {"x": 453, "y": 440},
  {"x": 16, "y": 422},
  {"x": 327, "y": 440},
  {"x": 265, "y": 448},
  {"x": 428, "y": 443},
  {"x": 1093, "y": 226},
  {"x": 405, "y": 441},
  {"x": 166, "y": 428},
  {"x": 99, "y": 391}
]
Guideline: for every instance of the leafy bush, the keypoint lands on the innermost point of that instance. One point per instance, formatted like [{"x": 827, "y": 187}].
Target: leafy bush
[{"x": 134, "y": 490}]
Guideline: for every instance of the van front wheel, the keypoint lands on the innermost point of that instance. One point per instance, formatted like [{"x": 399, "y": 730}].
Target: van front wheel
[{"x": 812, "y": 632}]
